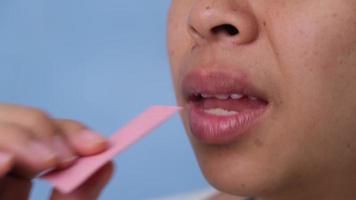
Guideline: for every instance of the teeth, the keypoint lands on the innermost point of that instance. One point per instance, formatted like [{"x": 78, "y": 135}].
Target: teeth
[
  {"x": 222, "y": 96},
  {"x": 206, "y": 96},
  {"x": 220, "y": 112},
  {"x": 236, "y": 96}
]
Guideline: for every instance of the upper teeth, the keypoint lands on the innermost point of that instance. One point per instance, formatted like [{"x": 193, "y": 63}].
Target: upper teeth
[
  {"x": 207, "y": 95},
  {"x": 223, "y": 96},
  {"x": 236, "y": 96}
]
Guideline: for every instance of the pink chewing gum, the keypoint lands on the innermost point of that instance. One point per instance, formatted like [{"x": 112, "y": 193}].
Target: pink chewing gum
[{"x": 69, "y": 179}]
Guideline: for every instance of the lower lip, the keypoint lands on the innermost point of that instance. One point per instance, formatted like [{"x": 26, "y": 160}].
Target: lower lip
[{"x": 214, "y": 129}]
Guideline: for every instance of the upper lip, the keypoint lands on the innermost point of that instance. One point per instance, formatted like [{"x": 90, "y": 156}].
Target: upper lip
[{"x": 218, "y": 82}]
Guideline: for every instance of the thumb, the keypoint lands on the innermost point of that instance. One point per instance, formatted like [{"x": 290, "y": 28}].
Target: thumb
[{"x": 91, "y": 189}]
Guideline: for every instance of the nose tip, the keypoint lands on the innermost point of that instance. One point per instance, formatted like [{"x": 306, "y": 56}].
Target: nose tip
[{"x": 222, "y": 21}]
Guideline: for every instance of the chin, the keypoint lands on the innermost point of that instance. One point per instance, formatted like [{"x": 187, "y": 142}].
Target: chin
[
  {"x": 238, "y": 176},
  {"x": 243, "y": 168}
]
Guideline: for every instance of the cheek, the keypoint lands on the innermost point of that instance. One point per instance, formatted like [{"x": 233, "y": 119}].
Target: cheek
[
  {"x": 315, "y": 48},
  {"x": 178, "y": 37},
  {"x": 316, "y": 52},
  {"x": 310, "y": 35}
]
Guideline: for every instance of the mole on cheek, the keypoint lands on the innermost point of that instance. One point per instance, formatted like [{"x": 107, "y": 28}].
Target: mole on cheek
[{"x": 349, "y": 146}]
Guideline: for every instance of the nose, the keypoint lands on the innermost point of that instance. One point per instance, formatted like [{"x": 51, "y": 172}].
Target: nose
[{"x": 228, "y": 21}]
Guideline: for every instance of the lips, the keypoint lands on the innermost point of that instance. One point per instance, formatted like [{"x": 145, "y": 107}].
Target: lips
[{"x": 221, "y": 106}]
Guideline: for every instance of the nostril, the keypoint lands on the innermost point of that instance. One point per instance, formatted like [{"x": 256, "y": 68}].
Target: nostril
[{"x": 227, "y": 29}]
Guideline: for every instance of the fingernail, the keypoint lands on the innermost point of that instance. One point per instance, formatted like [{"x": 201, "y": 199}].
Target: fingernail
[
  {"x": 42, "y": 151},
  {"x": 5, "y": 158},
  {"x": 91, "y": 138},
  {"x": 65, "y": 153}
]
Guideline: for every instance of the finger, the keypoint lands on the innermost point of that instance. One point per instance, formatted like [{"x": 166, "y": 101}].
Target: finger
[
  {"x": 30, "y": 155},
  {"x": 33, "y": 119},
  {"x": 66, "y": 154},
  {"x": 6, "y": 162},
  {"x": 91, "y": 189},
  {"x": 15, "y": 189},
  {"x": 83, "y": 141},
  {"x": 41, "y": 125}
]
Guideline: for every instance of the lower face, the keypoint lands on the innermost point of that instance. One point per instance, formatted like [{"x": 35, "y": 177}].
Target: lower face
[{"x": 274, "y": 112}]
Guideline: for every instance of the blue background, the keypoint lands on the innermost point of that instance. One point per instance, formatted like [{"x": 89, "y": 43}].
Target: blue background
[{"x": 100, "y": 62}]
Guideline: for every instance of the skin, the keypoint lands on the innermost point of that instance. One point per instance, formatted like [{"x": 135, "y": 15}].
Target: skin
[
  {"x": 302, "y": 54},
  {"x": 32, "y": 142}
]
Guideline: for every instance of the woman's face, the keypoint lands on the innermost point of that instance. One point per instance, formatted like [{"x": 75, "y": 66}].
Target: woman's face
[{"x": 269, "y": 89}]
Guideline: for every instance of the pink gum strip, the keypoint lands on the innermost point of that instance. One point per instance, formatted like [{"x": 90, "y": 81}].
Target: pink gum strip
[{"x": 69, "y": 179}]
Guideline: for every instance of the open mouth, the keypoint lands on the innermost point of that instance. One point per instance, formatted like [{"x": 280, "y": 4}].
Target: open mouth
[{"x": 221, "y": 107}]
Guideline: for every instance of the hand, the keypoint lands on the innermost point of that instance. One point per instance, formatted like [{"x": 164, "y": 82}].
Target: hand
[{"x": 32, "y": 142}]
